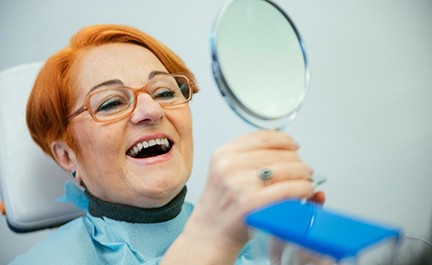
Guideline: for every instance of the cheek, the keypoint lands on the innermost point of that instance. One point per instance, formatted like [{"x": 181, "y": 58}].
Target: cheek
[
  {"x": 99, "y": 148},
  {"x": 96, "y": 142},
  {"x": 185, "y": 132},
  {"x": 181, "y": 119},
  {"x": 185, "y": 126},
  {"x": 86, "y": 139}
]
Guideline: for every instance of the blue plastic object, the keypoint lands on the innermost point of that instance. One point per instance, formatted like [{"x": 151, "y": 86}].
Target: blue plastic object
[{"x": 315, "y": 228}]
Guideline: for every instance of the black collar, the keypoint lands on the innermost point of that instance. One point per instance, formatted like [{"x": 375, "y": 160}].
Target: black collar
[{"x": 132, "y": 214}]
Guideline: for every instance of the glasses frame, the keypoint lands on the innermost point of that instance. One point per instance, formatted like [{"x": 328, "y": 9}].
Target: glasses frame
[{"x": 136, "y": 92}]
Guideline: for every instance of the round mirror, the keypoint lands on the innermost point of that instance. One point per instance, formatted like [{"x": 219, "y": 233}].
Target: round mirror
[{"x": 259, "y": 62}]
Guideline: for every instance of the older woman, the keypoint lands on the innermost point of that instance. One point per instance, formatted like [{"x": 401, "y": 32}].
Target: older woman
[{"x": 112, "y": 110}]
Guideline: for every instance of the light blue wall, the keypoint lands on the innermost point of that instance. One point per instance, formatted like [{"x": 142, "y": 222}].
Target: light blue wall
[{"x": 366, "y": 125}]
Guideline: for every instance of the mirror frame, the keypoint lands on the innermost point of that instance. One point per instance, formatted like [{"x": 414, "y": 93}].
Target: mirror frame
[{"x": 233, "y": 101}]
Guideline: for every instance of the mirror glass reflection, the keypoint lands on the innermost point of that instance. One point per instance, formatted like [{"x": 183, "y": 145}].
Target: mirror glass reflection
[{"x": 259, "y": 62}]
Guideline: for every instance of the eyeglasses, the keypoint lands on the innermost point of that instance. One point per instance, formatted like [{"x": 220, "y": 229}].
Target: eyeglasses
[{"x": 115, "y": 103}]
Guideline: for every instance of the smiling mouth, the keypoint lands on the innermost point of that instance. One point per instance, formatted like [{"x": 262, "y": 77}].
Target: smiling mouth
[{"x": 150, "y": 148}]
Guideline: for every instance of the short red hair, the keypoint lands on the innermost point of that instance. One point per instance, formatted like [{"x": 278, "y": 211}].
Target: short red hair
[{"x": 53, "y": 94}]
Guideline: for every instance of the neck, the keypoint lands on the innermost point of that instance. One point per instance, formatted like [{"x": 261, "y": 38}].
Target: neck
[{"x": 132, "y": 214}]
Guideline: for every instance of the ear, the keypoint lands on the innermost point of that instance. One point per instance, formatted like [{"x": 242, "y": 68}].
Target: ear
[{"x": 64, "y": 156}]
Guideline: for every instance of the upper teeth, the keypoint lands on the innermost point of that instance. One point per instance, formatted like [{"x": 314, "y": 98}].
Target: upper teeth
[{"x": 145, "y": 144}]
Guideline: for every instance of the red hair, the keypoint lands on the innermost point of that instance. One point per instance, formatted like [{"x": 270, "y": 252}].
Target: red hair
[{"x": 53, "y": 94}]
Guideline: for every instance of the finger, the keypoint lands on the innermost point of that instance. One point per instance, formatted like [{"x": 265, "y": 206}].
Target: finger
[
  {"x": 263, "y": 158},
  {"x": 280, "y": 171},
  {"x": 264, "y": 139},
  {"x": 288, "y": 171},
  {"x": 300, "y": 189},
  {"x": 227, "y": 163}
]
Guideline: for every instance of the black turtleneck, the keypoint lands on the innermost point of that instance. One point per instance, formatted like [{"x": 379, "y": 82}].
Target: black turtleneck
[{"x": 132, "y": 214}]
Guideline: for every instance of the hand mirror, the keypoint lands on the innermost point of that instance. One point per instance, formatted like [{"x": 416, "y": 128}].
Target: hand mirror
[{"x": 259, "y": 62}]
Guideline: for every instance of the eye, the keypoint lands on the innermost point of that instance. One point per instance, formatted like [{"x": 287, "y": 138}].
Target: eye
[
  {"x": 111, "y": 104},
  {"x": 111, "y": 101},
  {"x": 164, "y": 94}
]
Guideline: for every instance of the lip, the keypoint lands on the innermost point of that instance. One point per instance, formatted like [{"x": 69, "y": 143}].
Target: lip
[{"x": 155, "y": 159}]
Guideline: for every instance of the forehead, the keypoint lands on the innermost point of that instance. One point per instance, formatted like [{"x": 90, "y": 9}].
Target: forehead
[{"x": 127, "y": 62}]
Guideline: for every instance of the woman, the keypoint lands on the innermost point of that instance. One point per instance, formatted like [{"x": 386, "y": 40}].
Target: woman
[{"x": 111, "y": 109}]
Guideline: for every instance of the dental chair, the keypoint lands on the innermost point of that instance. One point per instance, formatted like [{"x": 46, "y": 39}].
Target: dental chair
[{"x": 30, "y": 181}]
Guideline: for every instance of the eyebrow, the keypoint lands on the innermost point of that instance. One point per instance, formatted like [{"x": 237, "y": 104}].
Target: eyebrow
[
  {"x": 155, "y": 73},
  {"x": 118, "y": 82},
  {"x": 108, "y": 83}
]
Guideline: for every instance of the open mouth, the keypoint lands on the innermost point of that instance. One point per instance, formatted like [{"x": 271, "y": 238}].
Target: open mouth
[{"x": 150, "y": 148}]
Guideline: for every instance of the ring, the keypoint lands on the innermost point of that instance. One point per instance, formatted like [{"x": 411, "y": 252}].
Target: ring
[{"x": 265, "y": 174}]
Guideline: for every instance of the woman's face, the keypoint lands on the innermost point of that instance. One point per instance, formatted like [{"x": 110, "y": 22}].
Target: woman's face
[{"x": 104, "y": 163}]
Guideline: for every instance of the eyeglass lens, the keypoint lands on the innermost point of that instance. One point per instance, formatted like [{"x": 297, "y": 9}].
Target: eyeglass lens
[{"x": 117, "y": 101}]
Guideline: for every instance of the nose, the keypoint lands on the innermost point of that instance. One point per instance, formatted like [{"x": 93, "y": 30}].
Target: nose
[{"x": 147, "y": 111}]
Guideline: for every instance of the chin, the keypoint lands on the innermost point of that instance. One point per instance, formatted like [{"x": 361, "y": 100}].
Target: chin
[{"x": 158, "y": 194}]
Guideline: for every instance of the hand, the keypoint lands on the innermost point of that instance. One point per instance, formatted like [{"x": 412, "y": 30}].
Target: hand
[{"x": 234, "y": 188}]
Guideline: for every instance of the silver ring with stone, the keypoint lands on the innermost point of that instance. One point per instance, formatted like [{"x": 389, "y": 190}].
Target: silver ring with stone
[{"x": 265, "y": 174}]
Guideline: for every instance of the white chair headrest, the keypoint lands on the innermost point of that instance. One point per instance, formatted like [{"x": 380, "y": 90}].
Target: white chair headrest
[{"x": 30, "y": 181}]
